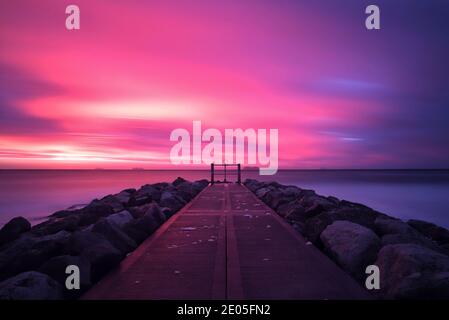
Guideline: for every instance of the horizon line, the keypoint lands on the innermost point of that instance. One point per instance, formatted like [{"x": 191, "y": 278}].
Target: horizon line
[{"x": 243, "y": 169}]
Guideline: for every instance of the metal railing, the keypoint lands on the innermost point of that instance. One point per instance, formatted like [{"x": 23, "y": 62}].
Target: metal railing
[{"x": 225, "y": 172}]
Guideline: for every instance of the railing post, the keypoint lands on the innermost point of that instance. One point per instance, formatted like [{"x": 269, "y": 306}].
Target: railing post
[
  {"x": 212, "y": 173},
  {"x": 225, "y": 174},
  {"x": 239, "y": 175}
]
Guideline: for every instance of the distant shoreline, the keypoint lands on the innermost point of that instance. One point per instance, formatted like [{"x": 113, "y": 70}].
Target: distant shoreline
[{"x": 284, "y": 170}]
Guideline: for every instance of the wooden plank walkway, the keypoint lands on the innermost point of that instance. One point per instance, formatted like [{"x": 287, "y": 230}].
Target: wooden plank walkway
[{"x": 226, "y": 244}]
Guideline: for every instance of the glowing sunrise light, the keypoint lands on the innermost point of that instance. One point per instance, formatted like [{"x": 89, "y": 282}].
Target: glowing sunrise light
[{"x": 108, "y": 95}]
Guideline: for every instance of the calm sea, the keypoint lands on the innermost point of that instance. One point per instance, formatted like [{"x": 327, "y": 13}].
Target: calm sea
[{"x": 405, "y": 194}]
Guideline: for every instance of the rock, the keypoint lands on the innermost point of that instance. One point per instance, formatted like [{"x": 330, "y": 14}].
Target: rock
[
  {"x": 395, "y": 231},
  {"x": 172, "y": 201},
  {"x": 56, "y": 267},
  {"x": 179, "y": 181},
  {"x": 139, "y": 229},
  {"x": 13, "y": 229},
  {"x": 138, "y": 211},
  {"x": 316, "y": 202},
  {"x": 94, "y": 211},
  {"x": 167, "y": 212},
  {"x": 124, "y": 196},
  {"x": 275, "y": 198},
  {"x": 352, "y": 246},
  {"x": 261, "y": 192},
  {"x": 160, "y": 186},
  {"x": 30, "y": 252},
  {"x": 114, "y": 202},
  {"x": 98, "y": 251},
  {"x": 293, "y": 211},
  {"x": 66, "y": 213},
  {"x": 112, "y": 233},
  {"x": 334, "y": 200},
  {"x": 384, "y": 226},
  {"x": 359, "y": 215},
  {"x": 90, "y": 213},
  {"x": 298, "y": 226},
  {"x": 254, "y": 185},
  {"x": 413, "y": 238},
  {"x": 292, "y": 191},
  {"x": 185, "y": 191},
  {"x": 154, "y": 211},
  {"x": 314, "y": 210},
  {"x": 54, "y": 225},
  {"x": 410, "y": 271},
  {"x": 146, "y": 194},
  {"x": 102, "y": 257},
  {"x": 430, "y": 230},
  {"x": 135, "y": 231},
  {"x": 199, "y": 185},
  {"x": 82, "y": 240},
  {"x": 120, "y": 219},
  {"x": 314, "y": 226},
  {"x": 275, "y": 185},
  {"x": 139, "y": 199},
  {"x": 30, "y": 286}
]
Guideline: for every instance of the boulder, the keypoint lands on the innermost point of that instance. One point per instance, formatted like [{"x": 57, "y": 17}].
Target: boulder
[
  {"x": 120, "y": 219},
  {"x": 167, "y": 212},
  {"x": 275, "y": 198},
  {"x": 66, "y": 213},
  {"x": 135, "y": 231},
  {"x": 124, "y": 196},
  {"x": 199, "y": 185},
  {"x": 13, "y": 229},
  {"x": 90, "y": 213},
  {"x": 292, "y": 191},
  {"x": 83, "y": 239},
  {"x": 172, "y": 201},
  {"x": 359, "y": 215},
  {"x": 253, "y": 185},
  {"x": 56, "y": 267},
  {"x": 112, "y": 233},
  {"x": 410, "y": 271},
  {"x": 261, "y": 192},
  {"x": 388, "y": 225},
  {"x": 54, "y": 225},
  {"x": 30, "y": 252},
  {"x": 352, "y": 246},
  {"x": 179, "y": 181},
  {"x": 316, "y": 202},
  {"x": 114, "y": 202},
  {"x": 145, "y": 194},
  {"x": 30, "y": 286},
  {"x": 430, "y": 230},
  {"x": 293, "y": 211},
  {"x": 414, "y": 238},
  {"x": 94, "y": 211},
  {"x": 160, "y": 185},
  {"x": 314, "y": 226},
  {"x": 185, "y": 191},
  {"x": 395, "y": 231},
  {"x": 94, "y": 248},
  {"x": 102, "y": 257},
  {"x": 334, "y": 200},
  {"x": 315, "y": 209},
  {"x": 138, "y": 199},
  {"x": 139, "y": 229}
]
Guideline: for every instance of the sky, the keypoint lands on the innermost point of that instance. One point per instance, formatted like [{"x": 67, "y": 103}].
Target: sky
[{"x": 109, "y": 95}]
